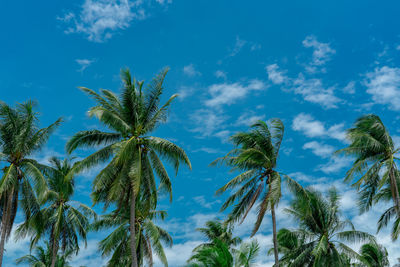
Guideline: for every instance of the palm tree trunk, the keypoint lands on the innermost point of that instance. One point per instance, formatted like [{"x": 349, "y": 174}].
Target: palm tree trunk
[
  {"x": 5, "y": 224},
  {"x": 132, "y": 222},
  {"x": 54, "y": 251},
  {"x": 274, "y": 237},
  {"x": 395, "y": 190}
]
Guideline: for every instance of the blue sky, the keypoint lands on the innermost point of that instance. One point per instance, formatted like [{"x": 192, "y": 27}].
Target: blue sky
[{"x": 317, "y": 65}]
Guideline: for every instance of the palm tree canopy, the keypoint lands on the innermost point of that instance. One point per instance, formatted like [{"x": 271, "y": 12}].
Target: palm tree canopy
[
  {"x": 151, "y": 238},
  {"x": 374, "y": 255},
  {"x": 20, "y": 137},
  {"x": 255, "y": 155},
  {"x": 43, "y": 258},
  {"x": 130, "y": 117},
  {"x": 322, "y": 235},
  {"x": 61, "y": 217}
]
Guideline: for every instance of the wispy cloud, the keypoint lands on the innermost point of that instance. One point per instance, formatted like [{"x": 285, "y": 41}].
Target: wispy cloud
[
  {"x": 191, "y": 71},
  {"x": 312, "y": 90},
  {"x": 275, "y": 75},
  {"x": 311, "y": 127},
  {"x": 98, "y": 20},
  {"x": 229, "y": 93},
  {"x": 322, "y": 53},
  {"x": 319, "y": 149},
  {"x": 84, "y": 63},
  {"x": 248, "y": 118},
  {"x": 383, "y": 84}
]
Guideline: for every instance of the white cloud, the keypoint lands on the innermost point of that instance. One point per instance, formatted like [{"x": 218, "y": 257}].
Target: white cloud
[
  {"x": 319, "y": 149},
  {"x": 350, "y": 88},
  {"x": 305, "y": 178},
  {"x": 84, "y": 63},
  {"x": 229, "y": 93},
  {"x": 275, "y": 75},
  {"x": 185, "y": 92},
  {"x": 99, "y": 19},
  {"x": 201, "y": 200},
  {"x": 239, "y": 44},
  {"x": 248, "y": 118},
  {"x": 334, "y": 165},
  {"x": 311, "y": 127},
  {"x": 162, "y": 2},
  {"x": 313, "y": 91},
  {"x": 384, "y": 86},
  {"x": 220, "y": 74},
  {"x": 322, "y": 52},
  {"x": 191, "y": 71},
  {"x": 208, "y": 122}
]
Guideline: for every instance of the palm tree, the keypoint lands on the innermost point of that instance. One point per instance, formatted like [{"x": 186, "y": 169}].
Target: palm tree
[
  {"x": 247, "y": 253},
  {"x": 320, "y": 240},
  {"x": 62, "y": 219},
  {"x": 43, "y": 258},
  {"x": 217, "y": 230},
  {"x": 150, "y": 237},
  {"x": 374, "y": 168},
  {"x": 219, "y": 254},
  {"x": 373, "y": 255},
  {"x": 135, "y": 156},
  {"x": 22, "y": 182},
  {"x": 255, "y": 155}
]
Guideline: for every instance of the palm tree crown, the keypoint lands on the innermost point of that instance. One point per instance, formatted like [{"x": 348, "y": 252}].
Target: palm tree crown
[
  {"x": 22, "y": 182},
  {"x": 135, "y": 156},
  {"x": 320, "y": 240}
]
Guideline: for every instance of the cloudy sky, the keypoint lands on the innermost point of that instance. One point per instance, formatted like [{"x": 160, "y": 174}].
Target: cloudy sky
[{"x": 317, "y": 65}]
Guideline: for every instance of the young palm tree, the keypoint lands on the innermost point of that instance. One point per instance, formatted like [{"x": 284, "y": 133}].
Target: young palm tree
[
  {"x": 219, "y": 254},
  {"x": 255, "y": 156},
  {"x": 135, "y": 156},
  {"x": 22, "y": 182},
  {"x": 374, "y": 168},
  {"x": 62, "y": 219},
  {"x": 43, "y": 258},
  {"x": 247, "y": 253},
  {"x": 149, "y": 236},
  {"x": 320, "y": 239},
  {"x": 373, "y": 255},
  {"x": 217, "y": 230}
]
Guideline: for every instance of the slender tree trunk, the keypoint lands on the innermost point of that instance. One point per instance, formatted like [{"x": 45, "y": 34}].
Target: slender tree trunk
[
  {"x": 132, "y": 229},
  {"x": 5, "y": 224},
  {"x": 395, "y": 190},
  {"x": 275, "y": 239},
  {"x": 54, "y": 251}
]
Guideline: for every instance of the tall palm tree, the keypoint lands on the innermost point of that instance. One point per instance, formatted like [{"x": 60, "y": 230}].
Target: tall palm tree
[
  {"x": 150, "y": 237},
  {"x": 320, "y": 240},
  {"x": 255, "y": 155},
  {"x": 373, "y": 255},
  {"x": 374, "y": 167},
  {"x": 22, "y": 182},
  {"x": 135, "y": 156},
  {"x": 62, "y": 219},
  {"x": 43, "y": 258}
]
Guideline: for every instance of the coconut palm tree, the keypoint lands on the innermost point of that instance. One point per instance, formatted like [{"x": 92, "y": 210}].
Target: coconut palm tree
[
  {"x": 43, "y": 257},
  {"x": 219, "y": 254},
  {"x": 322, "y": 234},
  {"x": 150, "y": 237},
  {"x": 255, "y": 155},
  {"x": 247, "y": 253},
  {"x": 217, "y": 230},
  {"x": 373, "y": 255},
  {"x": 22, "y": 182},
  {"x": 133, "y": 157},
  {"x": 62, "y": 219},
  {"x": 374, "y": 168}
]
